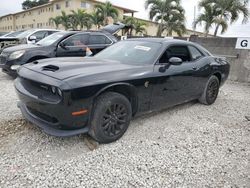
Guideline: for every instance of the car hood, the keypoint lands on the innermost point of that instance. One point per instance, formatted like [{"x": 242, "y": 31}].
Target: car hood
[
  {"x": 86, "y": 71},
  {"x": 21, "y": 47},
  {"x": 8, "y": 39}
]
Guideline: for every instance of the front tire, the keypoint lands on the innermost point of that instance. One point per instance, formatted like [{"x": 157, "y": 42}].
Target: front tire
[
  {"x": 111, "y": 117},
  {"x": 211, "y": 91}
]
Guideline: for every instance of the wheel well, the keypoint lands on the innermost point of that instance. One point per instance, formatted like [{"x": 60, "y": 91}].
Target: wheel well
[
  {"x": 127, "y": 91},
  {"x": 36, "y": 58},
  {"x": 218, "y": 75}
]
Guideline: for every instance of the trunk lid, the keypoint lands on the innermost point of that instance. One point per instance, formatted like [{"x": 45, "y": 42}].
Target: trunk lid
[{"x": 113, "y": 28}]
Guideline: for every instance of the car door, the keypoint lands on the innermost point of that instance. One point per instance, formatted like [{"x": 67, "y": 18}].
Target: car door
[
  {"x": 173, "y": 83},
  {"x": 98, "y": 42},
  {"x": 73, "y": 46},
  {"x": 200, "y": 64}
]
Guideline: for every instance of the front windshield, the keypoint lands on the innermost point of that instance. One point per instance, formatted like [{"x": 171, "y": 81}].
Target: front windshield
[
  {"x": 13, "y": 34},
  {"x": 50, "y": 39},
  {"x": 131, "y": 52},
  {"x": 25, "y": 33}
]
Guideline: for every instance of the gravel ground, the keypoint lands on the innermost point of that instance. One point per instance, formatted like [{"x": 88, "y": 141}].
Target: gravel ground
[{"x": 190, "y": 145}]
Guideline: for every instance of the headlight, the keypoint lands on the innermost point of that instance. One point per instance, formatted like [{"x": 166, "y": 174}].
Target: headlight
[
  {"x": 15, "y": 67},
  {"x": 56, "y": 91},
  {"x": 59, "y": 92},
  {"x": 53, "y": 88},
  {"x": 16, "y": 55}
]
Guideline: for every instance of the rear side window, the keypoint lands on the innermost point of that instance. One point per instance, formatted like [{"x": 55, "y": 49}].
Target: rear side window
[
  {"x": 99, "y": 39},
  {"x": 51, "y": 32},
  {"x": 195, "y": 53},
  {"x": 40, "y": 34},
  {"x": 176, "y": 51}
]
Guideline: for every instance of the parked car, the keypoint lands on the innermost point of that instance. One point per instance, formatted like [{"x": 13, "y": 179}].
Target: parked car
[
  {"x": 12, "y": 34},
  {"x": 99, "y": 95},
  {"x": 60, "y": 44},
  {"x": 2, "y": 33},
  {"x": 27, "y": 37}
]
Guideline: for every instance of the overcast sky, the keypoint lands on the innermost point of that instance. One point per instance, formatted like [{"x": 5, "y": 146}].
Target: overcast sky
[{"x": 236, "y": 30}]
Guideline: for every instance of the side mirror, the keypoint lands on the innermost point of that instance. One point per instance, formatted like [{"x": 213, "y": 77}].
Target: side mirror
[
  {"x": 62, "y": 45},
  {"x": 32, "y": 38},
  {"x": 175, "y": 61}
]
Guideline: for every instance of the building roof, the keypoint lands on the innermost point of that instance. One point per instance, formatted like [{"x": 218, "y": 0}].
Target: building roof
[{"x": 126, "y": 10}]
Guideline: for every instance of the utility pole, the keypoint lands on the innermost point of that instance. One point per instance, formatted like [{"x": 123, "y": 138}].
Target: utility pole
[{"x": 194, "y": 27}]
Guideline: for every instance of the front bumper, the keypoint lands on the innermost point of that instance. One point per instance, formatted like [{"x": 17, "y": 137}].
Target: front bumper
[
  {"x": 54, "y": 117},
  {"x": 46, "y": 127},
  {"x": 7, "y": 69},
  {"x": 6, "y": 64}
]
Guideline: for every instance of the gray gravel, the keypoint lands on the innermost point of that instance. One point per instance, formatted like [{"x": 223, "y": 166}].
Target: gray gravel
[{"x": 190, "y": 145}]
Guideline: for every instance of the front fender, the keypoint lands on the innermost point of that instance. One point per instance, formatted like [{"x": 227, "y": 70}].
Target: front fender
[{"x": 123, "y": 88}]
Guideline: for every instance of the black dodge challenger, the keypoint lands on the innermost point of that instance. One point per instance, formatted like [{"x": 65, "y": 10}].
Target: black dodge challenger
[{"x": 99, "y": 95}]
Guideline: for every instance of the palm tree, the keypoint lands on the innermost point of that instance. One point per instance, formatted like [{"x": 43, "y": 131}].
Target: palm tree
[
  {"x": 82, "y": 18},
  {"x": 160, "y": 9},
  {"x": 130, "y": 23},
  {"x": 207, "y": 17},
  {"x": 133, "y": 24},
  {"x": 96, "y": 20},
  {"x": 174, "y": 26},
  {"x": 56, "y": 20},
  {"x": 106, "y": 10},
  {"x": 175, "y": 22},
  {"x": 65, "y": 20},
  {"x": 73, "y": 21},
  {"x": 228, "y": 11},
  {"x": 140, "y": 27}
]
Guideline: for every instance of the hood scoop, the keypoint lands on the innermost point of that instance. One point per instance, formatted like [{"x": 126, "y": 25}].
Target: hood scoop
[{"x": 51, "y": 68}]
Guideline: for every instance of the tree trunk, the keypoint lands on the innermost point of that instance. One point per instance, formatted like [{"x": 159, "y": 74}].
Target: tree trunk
[
  {"x": 218, "y": 25},
  {"x": 216, "y": 30},
  {"x": 131, "y": 32},
  {"x": 159, "y": 32},
  {"x": 206, "y": 34}
]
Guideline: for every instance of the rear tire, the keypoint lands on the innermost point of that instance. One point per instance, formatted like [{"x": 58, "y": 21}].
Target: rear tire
[
  {"x": 211, "y": 91},
  {"x": 111, "y": 117}
]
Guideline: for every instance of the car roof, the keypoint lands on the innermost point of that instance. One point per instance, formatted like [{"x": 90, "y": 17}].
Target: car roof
[
  {"x": 164, "y": 41},
  {"x": 168, "y": 41},
  {"x": 46, "y": 30},
  {"x": 91, "y": 31},
  {"x": 160, "y": 40},
  {"x": 68, "y": 32}
]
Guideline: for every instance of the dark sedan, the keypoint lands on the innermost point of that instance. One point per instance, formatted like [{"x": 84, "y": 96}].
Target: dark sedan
[
  {"x": 99, "y": 95},
  {"x": 60, "y": 44}
]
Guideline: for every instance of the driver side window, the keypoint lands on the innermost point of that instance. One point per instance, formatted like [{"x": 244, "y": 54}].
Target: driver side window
[
  {"x": 77, "y": 40},
  {"x": 175, "y": 51}
]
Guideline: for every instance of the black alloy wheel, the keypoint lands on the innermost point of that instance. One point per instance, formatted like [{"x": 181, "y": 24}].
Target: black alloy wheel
[
  {"x": 211, "y": 91},
  {"x": 114, "y": 119},
  {"x": 111, "y": 117}
]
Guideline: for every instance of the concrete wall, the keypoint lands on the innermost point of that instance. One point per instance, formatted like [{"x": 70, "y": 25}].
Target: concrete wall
[{"x": 239, "y": 59}]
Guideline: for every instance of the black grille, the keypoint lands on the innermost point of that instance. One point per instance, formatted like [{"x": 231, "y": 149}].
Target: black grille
[
  {"x": 42, "y": 91},
  {"x": 43, "y": 116},
  {"x": 3, "y": 59}
]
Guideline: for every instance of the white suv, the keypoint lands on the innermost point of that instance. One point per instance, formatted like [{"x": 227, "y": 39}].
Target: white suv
[{"x": 34, "y": 35}]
